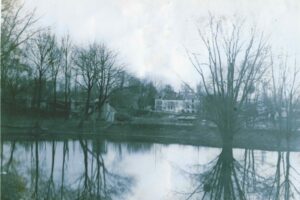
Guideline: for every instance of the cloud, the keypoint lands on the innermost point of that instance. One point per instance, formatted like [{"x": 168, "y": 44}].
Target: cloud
[{"x": 151, "y": 35}]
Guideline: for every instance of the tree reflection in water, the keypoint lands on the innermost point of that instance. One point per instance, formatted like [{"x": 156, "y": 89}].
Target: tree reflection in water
[
  {"x": 50, "y": 182},
  {"x": 283, "y": 185},
  {"x": 98, "y": 182},
  {"x": 89, "y": 170},
  {"x": 221, "y": 180},
  {"x": 13, "y": 187},
  {"x": 95, "y": 182},
  {"x": 227, "y": 178},
  {"x": 65, "y": 153}
]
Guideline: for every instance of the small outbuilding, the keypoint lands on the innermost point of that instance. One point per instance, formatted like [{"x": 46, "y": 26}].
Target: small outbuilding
[{"x": 108, "y": 112}]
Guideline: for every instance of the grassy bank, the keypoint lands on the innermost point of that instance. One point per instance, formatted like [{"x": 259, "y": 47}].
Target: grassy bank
[
  {"x": 49, "y": 124},
  {"x": 179, "y": 133}
]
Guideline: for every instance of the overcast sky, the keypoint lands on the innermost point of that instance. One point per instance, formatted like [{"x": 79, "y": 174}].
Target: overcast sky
[{"x": 151, "y": 35}]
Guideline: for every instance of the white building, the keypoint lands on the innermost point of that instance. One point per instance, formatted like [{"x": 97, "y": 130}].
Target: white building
[
  {"x": 177, "y": 106},
  {"x": 108, "y": 112}
]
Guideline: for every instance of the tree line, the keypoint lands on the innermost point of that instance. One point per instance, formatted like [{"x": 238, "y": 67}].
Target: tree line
[
  {"x": 237, "y": 71},
  {"x": 40, "y": 69}
]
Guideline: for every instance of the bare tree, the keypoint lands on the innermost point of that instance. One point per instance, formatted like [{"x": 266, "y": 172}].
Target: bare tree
[
  {"x": 284, "y": 96},
  {"x": 17, "y": 26},
  {"x": 230, "y": 75},
  {"x": 55, "y": 59},
  {"x": 16, "y": 29},
  {"x": 85, "y": 61},
  {"x": 98, "y": 68},
  {"x": 16, "y": 82},
  {"x": 38, "y": 54},
  {"x": 66, "y": 48},
  {"x": 108, "y": 73}
]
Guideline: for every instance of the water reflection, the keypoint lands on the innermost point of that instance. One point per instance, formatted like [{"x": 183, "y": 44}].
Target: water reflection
[
  {"x": 39, "y": 181},
  {"x": 132, "y": 147},
  {"x": 97, "y": 169},
  {"x": 228, "y": 178},
  {"x": 284, "y": 184}
]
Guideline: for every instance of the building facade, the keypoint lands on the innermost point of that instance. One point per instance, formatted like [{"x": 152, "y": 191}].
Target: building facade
[{"x": 177, "y": 106}]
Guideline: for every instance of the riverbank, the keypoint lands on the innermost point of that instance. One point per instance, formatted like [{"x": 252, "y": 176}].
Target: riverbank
[{"x": 166, "y": 133}]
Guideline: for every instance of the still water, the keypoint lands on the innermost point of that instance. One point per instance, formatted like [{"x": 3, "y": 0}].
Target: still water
[{"x": 100, "y": 169}]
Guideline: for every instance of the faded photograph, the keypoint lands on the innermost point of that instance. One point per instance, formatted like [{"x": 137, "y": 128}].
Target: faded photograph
[{"x": 150, "y": 100}]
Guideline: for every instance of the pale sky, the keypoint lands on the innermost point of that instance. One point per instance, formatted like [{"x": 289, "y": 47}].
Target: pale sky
[{"x": 151, "y": 35}]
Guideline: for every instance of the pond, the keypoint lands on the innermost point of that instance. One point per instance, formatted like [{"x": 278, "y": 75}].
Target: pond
[{"x": 102, "y": 169}]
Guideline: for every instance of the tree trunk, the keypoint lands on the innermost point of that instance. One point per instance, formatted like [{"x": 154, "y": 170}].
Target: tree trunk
[
  {"x": 39, "y": 97},
  {"x": 54, "y": 94},
  {"x": 67, "y": 88},
  {"x": 101, "y": 101},
  {"x": 87, "y": 105},
  {"x": 226, "y": 173}
]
